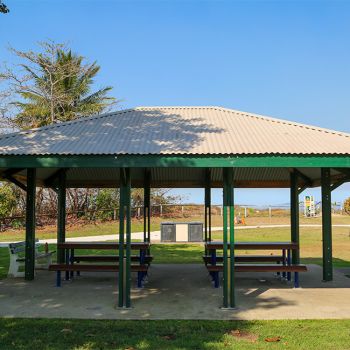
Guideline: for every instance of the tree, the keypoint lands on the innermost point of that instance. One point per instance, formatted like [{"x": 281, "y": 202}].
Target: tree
[
  {"x": 53, "y": 85},
  {"x": 7, "y": 200},
  {"x": 3, "y": 8}
]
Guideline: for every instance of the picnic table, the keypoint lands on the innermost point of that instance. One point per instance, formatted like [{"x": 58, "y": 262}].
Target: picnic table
[
  {"x": 72, "y": 260},
  {"x": 286, "y": 268}
]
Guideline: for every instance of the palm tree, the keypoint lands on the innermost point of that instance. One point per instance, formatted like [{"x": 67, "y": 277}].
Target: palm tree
[{"x": 59, "y": 89}]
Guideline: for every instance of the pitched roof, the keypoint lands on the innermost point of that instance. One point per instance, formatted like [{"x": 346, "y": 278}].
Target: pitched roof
[{"x": 176, "y": 130}]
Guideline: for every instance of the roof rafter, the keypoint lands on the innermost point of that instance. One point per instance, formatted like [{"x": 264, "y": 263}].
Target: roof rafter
[{"x": 50, "y": 181}]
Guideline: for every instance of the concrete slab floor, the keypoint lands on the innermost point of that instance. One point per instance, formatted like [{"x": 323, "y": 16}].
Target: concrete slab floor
[{"x": 177, "y": 292}]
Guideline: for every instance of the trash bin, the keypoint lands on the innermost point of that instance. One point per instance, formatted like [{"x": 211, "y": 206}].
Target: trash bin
[{"x": 181, "y": 232}]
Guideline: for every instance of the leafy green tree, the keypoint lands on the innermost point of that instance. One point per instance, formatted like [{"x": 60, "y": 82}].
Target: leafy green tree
[
  {"x": 8, "y": 200},
  {"x": 106, "y": 198},
  {"x": 55, "y": 85}
]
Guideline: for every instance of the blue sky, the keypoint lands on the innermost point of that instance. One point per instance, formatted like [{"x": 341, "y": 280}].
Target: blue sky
[{"x": 287, "y": 59}]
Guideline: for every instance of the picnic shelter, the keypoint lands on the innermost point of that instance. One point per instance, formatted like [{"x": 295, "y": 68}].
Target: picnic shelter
[{"x": 177, "y": 147}]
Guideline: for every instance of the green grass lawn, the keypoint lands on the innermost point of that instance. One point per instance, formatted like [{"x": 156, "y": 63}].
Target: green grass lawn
[
  {"x": 112, "y": 228},
  {"x": 55, "y": 334},
  {"x": 4, "y": 262},
  {"x": 310, "y": 242}
]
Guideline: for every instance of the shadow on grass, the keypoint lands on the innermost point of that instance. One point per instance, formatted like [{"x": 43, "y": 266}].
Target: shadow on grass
[{"x": 97, "y": 334}]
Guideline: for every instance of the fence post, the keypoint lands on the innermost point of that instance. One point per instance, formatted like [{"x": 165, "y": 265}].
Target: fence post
[
  {"x": 270, "y": 214},
  {"x": 161, "y": 211}
]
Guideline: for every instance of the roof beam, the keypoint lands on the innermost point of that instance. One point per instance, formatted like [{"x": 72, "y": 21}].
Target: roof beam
[
  {"x": 345, "y": 171},
  {"x": 8, "y": 175},
  {"x": 138, "y": 183},
  {"x": 302, "y": 189},
  {"x": 341, "y": 180},
  {"x": 305, "y": 178},
  {"x": 307, "y": 181},
  {"x": 160, "y": 161},
  {"x": 338, "y": 184},
  {"x": 49, "y": 182},
  {"x": 11, "y": 172},
  {"x": 16, "y": 182}
]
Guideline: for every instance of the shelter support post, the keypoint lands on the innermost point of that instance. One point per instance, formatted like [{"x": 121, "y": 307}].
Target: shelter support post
[
  {"x": 147, "y": 207},
  {"x": 61, "y": 217},
  {"x": 326, "y": 224},
  {"x": 228, "y": 240},
  {"x": 294, "y": 215},
  {"x": 207, "y": 207},
  {"x": 121, "y": 238},
  {"x": 30, "y": 225},
  {"x": 124, "y": 285}
]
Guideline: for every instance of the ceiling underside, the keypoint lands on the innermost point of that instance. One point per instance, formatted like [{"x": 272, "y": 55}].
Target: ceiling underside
[{"x": 181, "y": 177}]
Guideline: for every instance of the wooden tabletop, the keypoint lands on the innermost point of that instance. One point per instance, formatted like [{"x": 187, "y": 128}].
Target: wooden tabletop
[
  {"x": 102, "y": 245},
  {"x": 255, "y": 245}
]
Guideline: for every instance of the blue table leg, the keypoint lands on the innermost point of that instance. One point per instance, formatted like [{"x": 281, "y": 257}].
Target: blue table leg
[
  {"x": 141, "y": 275},
  {"x": 72, "y": 261},
  {"x": 139, "y": 279},
  {"x": 216, "y": 279},
  {"x": 284, "y": 262},
  {"x": 58, "y": 279},
  {"x": 213, "y": 263},
  {"x": 296, "y": 279},
  {"x": 289, "y": 275},
  {"x": 67, "y": 263}
]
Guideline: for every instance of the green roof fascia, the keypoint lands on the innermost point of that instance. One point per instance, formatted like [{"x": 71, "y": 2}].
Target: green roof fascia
[{"x": 141, "y": 161}]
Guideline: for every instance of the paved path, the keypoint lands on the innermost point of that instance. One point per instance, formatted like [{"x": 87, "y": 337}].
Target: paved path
[
  {"x": 155, "y": 235},
  {"x": 182, "y": 291}
]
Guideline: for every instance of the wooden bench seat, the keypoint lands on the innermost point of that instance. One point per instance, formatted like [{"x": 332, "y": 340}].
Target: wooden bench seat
[
  {"x": 247, "y": 258},
  {"x": 260, "y": 268},
  {"x": 109, "y": 258},
  {"x": 215, "y": 269},
  {"x": 140, "y": 269},
  {"x": 91, "y": 267}
]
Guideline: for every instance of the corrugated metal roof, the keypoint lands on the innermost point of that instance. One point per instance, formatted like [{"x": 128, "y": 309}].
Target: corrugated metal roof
[{"x": 176, "y": 130}]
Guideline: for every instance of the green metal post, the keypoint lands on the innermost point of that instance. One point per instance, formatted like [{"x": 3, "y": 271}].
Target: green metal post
[
  {"x": 232, "y": 237},
  {"x": 61, "y": 217},
  {"x": 326, "y": 224},
  {"x": 207, "y": 207},
  {"x": 149, "y": 221},
  {"x": 144, "y": 214},
  {"x": 30, "y": 225},
  {"x": 225, "y": 241},
  {"x": 209, "y": 219},
  {"x": 147, "y": 207},
  {"x": 294, "y": 215},
  {"x": 121, "y": 237},
  {"x": 128, "y": 238}
]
